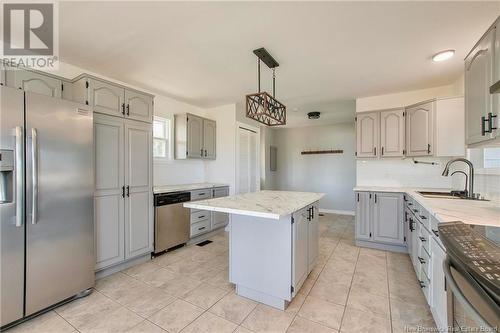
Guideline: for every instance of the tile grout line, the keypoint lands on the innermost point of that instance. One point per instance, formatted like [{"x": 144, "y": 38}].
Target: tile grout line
[
  {"x": 349, "y": 293},
  {"x": 316, "y": 280},
  {"x": 388, "y": 291}
]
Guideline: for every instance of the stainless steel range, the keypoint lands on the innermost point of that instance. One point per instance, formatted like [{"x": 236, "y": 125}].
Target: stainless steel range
[
  {"x": 472, "y": 270},
  {"x": 46, "y": 203}
]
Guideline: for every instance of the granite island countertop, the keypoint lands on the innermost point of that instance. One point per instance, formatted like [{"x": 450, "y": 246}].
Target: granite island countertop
[
  {"x": 447, "y": 210},
  {"x": 267, "y": 204},
  {"x": 185, "y": 187}
]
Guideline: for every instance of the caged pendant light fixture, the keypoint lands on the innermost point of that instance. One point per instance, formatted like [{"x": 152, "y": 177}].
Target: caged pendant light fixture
[{"x": 261, "y": 106}]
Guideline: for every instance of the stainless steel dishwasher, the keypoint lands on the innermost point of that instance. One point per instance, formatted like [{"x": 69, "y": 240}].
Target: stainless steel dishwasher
[{"x": 172, "y": 221}]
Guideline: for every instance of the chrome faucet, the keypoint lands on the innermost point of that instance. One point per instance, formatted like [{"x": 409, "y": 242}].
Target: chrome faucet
[{"x": 446, "y": 171}]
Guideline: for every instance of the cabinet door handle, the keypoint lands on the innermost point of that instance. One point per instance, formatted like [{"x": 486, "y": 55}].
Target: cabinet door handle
[
  {"x": 128, "y": 109},
  {"x": 428, "y": 148},
  {"x": 205, "y": 153},
  {"x": 201, "y": 216},
  {"x": 123, "y": 191},
  {"x": 128, "y": 191},
  {"x": 203, "y": 193},
  {"x": 201, "y": 228},
  {"x": 423, "y": 239},
  {"x": 358, "y": 196},
  {"x": 201, "y": 152},
  {"x": 490, "y": 122},
  {"x": 312, "y": 212},
  {"x": 423, "y": 217},
  {"x": 422, "y": 260},
  {"x": 375, "y": 198},
  {"x": 435, "y": 232},
  {"x": 123, "y": 108},
  {"x": 382, "y": 152},
  {"x": 415, "y": 210},
  {"x": 375, "y": 151},
  {"x": 422, "y": 284}
]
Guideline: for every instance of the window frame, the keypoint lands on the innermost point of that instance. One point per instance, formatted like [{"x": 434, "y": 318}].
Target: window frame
[{"x": 167, "y": 123}]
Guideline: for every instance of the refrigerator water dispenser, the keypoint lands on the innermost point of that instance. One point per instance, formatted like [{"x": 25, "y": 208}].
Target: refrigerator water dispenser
[{"x": 6, "y": 176}]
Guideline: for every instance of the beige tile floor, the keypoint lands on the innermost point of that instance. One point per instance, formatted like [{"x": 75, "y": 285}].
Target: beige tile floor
[{"x": 351, "y": 289}]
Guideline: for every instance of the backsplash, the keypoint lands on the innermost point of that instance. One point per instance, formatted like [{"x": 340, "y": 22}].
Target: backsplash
[
  {"x": 486, "y": 185},
  {"x": 402, "y": 172}
]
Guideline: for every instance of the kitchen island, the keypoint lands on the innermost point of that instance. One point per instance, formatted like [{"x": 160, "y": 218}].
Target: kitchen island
[{"x": 273, "y": 242}]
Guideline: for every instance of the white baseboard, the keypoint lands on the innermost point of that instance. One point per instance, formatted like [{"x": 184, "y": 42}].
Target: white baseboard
[{"x": 336, "y": 211}]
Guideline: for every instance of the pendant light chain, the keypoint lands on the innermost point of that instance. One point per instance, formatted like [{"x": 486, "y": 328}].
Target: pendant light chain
[
  {"x": 274, "y": 82},
  {"x": 258, "y": 70}
]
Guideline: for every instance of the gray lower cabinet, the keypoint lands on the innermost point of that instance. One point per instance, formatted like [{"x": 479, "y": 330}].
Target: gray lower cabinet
[
  {"x": 313, "y": 237},
  {"x": 388, "y": 226},
  {"x": 123, "y": 198},
  {"x": 438, "y": 285},
  {"x": 195, "y": 137},
  {"x": 300, "y": 237},
  {"x": 363, "y": 215},
  {"x": 379, "y": 218},
  {"x": 203, "y": 221},
  {"x": 108, "y": 197},
  {"x": 219, "y": 219}
]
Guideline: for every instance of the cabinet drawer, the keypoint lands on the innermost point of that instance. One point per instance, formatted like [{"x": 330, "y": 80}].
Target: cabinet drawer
[
  {"x": 200, "y": 228},
  {"x": 424, "y": 217},
  {"x": 425, "y": 283},
  {"x": 199, "y": 215},
  {"x": 424, "y": 238},
  {"x": 425, "y": 261},
  {"x": 201, "y": 194},
  {"x": 221, "y": 192}
]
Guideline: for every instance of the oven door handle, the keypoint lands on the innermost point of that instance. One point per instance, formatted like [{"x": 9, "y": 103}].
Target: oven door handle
[{"x": 457, "y": 293}]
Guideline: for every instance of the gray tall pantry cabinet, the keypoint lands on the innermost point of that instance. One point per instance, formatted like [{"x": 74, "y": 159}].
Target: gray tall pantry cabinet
[{"x": 123, "y": 169}]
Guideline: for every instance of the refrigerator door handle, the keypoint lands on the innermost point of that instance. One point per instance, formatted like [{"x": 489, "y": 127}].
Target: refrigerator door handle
[
  {"x": 34, "y": 179},
  {"x": 19, "y": 176}
]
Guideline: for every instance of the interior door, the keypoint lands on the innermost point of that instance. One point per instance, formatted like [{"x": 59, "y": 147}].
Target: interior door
[
  {"x": 12, "y": 223},
  {"x": 478, "y": 78},
  {"x": 363, "y": 215},
  {"x": 392, "y": 129},
  {"x": 107, "y": 98},
  {"x": 209, "y": 138},
  {"x": 367, "y": 134},
  {"x": 387, "y": 220},
  {"x": 60, "y": 185},
  {"x": 299, "y": 249},
  {"x": 139, "y": 106},
  {"x": 247, "y": 160},
  {"x": 419, "y": 130},
  {"x": 109, "y": 190},
  {"x": 138, "y": 178},
  {"x": 194, "y": 136}
]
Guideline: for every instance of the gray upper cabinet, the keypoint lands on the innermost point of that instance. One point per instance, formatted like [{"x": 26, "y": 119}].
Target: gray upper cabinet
[
  {"x": 106, "y": 98},
  {"x": 392, "y": 133},
  {"x": 367, "y": 134},
  {"x": 388, "y": 226},
  {"x": 138, "y": 106},
  {"x": 34, "y": 82},
  {"x": 113, "y": 99},
  {"x": 478, "y": 100},
  {"x": 209, "y": 137},
  {"x": 195, "y": 137},
  {"x": 420, "y": 129}
]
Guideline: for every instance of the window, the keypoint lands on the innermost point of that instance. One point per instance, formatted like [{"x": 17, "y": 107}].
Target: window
[
  {"x": 491, "y": 158},
  {"x": 161, "y": 134}
]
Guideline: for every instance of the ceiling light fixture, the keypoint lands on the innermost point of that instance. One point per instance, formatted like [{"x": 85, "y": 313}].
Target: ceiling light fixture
[
  {"x": 443, "y": 55},
  {"x": 313, "y": 115},
  {"x": 261, "y": 106}
]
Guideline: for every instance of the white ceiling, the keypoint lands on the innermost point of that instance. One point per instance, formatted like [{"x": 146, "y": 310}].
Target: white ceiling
[{"x": 329, "y": 52}]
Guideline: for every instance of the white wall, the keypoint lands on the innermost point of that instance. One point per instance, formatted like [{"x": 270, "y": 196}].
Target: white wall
[
  {"x": 223, "y": 169},
  {"x": 403, "y": 172},
  {"x": 332, "y": 174}
]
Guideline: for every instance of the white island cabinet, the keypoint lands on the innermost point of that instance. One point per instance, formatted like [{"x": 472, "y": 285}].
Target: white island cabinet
[{"x": 273, "y": 242}]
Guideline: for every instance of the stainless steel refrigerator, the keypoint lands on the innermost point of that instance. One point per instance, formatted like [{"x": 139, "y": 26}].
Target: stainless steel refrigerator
[{"x": 46, "y": 202}]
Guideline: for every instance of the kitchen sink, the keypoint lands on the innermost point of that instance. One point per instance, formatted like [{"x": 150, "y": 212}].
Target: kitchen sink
[{"x": 447, "y": 195}]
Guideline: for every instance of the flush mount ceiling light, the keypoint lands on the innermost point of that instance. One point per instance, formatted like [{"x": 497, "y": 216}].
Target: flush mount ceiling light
[
  {"x": 313, "y": 115},
  {"x": 443, "y": 55},
  {"x": 261, "y": 106}
]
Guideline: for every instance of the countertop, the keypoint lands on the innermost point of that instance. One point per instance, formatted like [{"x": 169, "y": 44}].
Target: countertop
[
  {"x": 267, "y": 204},
  {"x": 446, "y": 210},
  {"x": 185, "y": 187}
]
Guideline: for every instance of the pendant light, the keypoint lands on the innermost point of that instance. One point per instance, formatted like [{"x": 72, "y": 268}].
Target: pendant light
[{"x": 261, "y": 106}]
